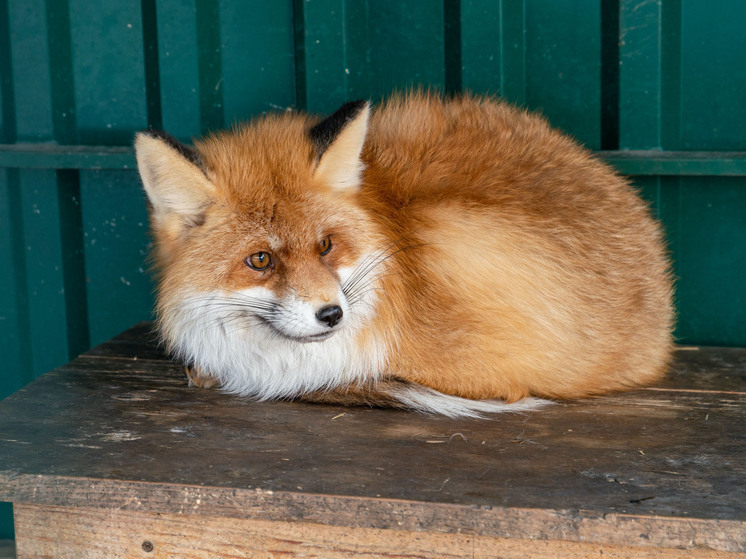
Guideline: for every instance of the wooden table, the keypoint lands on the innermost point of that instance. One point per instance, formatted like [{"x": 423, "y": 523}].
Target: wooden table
[{"x": 113, "y": 455}]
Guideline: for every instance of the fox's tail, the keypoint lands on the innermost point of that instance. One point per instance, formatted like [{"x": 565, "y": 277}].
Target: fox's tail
[
  {"x": 395, "y": 393},
  {"x": 429, "y": 401}
]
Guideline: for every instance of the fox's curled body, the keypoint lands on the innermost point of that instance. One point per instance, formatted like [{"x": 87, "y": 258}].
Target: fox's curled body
[{"x": 448, "y": 256}]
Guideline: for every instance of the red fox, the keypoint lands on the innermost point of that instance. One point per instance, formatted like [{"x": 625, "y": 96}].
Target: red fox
[{"x": 456, "y": 257}]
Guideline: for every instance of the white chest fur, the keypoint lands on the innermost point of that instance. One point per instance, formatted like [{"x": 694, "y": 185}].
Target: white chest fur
[{"x": 249, "y": 358}]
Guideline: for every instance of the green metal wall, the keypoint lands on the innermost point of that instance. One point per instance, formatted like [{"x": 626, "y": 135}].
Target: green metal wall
[{"x": 656, "y": 85}]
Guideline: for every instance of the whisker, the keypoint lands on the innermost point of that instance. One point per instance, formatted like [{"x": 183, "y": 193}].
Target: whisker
[
  {"x": 360, "y": 279},
  {"x": 220, "y": 301},
  {"x": 382, "y": 255},
  {"x": 358, "y": 296},
  {"x": 231, "y": 310}
]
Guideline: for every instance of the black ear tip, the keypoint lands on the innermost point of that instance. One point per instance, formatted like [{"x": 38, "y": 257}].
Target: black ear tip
[
  {"x": 324, "y": 133},
  {"x": 347, "y": 112},
  {"x": 355, "y": 106}
]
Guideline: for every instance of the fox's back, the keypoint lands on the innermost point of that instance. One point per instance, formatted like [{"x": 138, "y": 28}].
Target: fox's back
[
  {"x": 482, "y": 150},
  {"x": 550, "y": 261}
]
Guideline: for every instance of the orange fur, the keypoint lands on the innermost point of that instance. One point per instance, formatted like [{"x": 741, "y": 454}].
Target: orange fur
[{"x": 519, "y": 264}]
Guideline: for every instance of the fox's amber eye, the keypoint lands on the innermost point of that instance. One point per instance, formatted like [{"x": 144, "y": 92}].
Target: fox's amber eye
[
  {"x": 259, "y": 261},
  {"x": 326, "y": 245}
]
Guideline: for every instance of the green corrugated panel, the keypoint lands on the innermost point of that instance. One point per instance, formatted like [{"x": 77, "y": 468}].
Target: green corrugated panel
[
  {"x": 257, "y": 59},
  {"x": 406, "y": 45},
  {"x": 640, "y": 75},
  {"x": 352, "y": 50},
  {"x": 115, "y": 222},
  {"x": 110, "y": 103},
  {"x": 178, "y": 68},
  {"x": 493, "y": 48},
  {"x": 674, "y": 95},
  {"x": 15, "y": 333},
  {"x": 713, "y": 75},
  {"x": 54, "y": 156},
  {"x": 44, "y": 275},
  {"x": 32, "y": 110},
  {"x": 563, "y": 65},
  {"x": 708, "y": 238},
  {"x": 628, "y": 162},
  {"x": 323, "y": 53},
  {"x": 209, "y": 65},
  {"x": 34, "y": 200},
  {"x": 108, "y": 70}
]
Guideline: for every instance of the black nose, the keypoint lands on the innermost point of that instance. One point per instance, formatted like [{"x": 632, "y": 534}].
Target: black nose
[{"x": 330, "y": 315}]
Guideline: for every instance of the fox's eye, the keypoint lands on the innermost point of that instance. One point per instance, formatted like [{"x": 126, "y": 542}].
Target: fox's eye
[
  {"x": 326, "y": 245},
  {"x": 259, "y": 261}
]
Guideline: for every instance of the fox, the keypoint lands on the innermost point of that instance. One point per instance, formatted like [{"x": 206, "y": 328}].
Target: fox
[{"x": 453, "y": 256}]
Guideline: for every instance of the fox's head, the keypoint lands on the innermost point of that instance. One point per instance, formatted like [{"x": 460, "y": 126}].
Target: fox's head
[{"x": 258, "y": 229}]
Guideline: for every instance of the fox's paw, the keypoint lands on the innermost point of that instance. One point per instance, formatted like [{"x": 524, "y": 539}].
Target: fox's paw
[{"x": 197, "y": 377}]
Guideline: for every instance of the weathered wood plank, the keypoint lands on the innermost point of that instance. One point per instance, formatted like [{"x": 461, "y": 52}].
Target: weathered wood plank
[
  {"x": 84, "y": 533},
  {"x": 138, "y": 342},
  {"x": 120, "y": 429},
  {"x": 603, "y": 454},
  {"x": 643, "y": 530}
]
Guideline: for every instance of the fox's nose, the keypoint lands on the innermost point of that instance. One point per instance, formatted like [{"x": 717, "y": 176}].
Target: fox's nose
[{"x": 330, "y": 315}]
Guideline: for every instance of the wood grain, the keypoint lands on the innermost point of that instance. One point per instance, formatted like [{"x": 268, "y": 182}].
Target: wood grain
[
  {"x": 83, "y": 533},
  {"x": 119, "y": 429}
]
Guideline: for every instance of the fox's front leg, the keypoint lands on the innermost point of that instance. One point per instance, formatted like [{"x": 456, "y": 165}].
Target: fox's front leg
[
  {"x": 378, "y": 394},
  {"x": 197, "y": 377}
]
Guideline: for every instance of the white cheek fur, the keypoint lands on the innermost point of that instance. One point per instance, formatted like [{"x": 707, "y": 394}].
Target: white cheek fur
[{"x": 223, "y": 335}]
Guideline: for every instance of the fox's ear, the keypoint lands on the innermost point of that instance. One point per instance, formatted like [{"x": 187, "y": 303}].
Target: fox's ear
[
  {"x": 338, "y": 141},
  {"x": 174, "y": 180}
]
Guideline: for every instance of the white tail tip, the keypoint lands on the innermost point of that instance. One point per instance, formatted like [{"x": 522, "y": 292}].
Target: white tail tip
[{"x": 429, "y": 401}]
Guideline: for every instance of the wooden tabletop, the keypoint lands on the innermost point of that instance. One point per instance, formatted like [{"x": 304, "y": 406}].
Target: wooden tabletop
[{"x": 118, "y": 427}]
